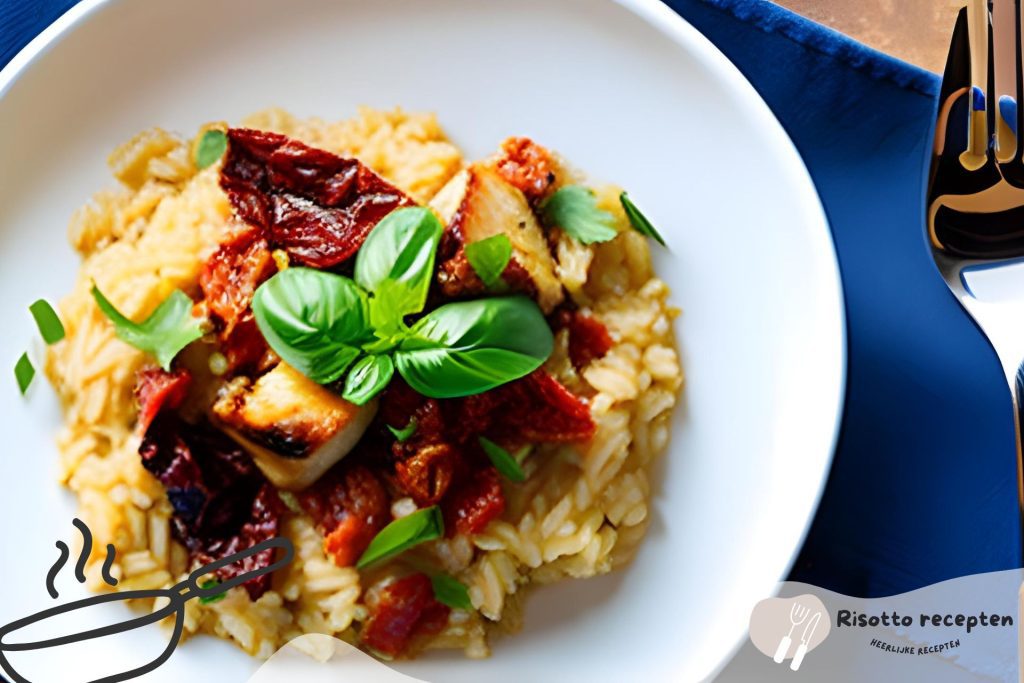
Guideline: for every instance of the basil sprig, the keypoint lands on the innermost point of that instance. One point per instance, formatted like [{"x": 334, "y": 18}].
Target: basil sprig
[
  {"x": 322, "y": 323},
  {"x": 168, "y": 329},
  {"x": 404, "y": 533},
  {"x": 573, "y": 208}
]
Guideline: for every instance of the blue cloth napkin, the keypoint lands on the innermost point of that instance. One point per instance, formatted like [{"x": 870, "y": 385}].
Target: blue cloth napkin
[{"x": 923, "y": 484}]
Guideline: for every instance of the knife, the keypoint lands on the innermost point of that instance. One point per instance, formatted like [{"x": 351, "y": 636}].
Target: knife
[{"x": 805, "y": 641}]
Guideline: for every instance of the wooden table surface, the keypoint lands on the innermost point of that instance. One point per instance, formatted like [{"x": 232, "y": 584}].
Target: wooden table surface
[{"x": 917, "y": 31}]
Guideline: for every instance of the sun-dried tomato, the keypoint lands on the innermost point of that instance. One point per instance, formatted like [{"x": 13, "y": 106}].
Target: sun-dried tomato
[
  {"x": 349, "y": 505},
  {"x": 536, "y": 408},
  {"x": 471, "y": 506},
  {"x": 469, "y": 417},
  {"x": 156, "y": 390},
  {"x": 263, "y": 524},
  {"x": 221, "y": 502},
  {"x": 540, "y": 409},
  {"x": 588, "y": 339},
  {"x": 244, "y": 347},
  {"x": 526, "y": 165},
  {"x": 405, "y": 608},
  {"x": 427, "y": 473},
  {"x": 317, "y": 206},
  {"x": 230, "y": 277}
]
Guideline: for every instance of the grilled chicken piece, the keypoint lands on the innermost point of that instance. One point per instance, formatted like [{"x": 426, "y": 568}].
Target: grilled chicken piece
[
  {"x": 294, "y": 428},
  {"x": 478, "y": 203}
]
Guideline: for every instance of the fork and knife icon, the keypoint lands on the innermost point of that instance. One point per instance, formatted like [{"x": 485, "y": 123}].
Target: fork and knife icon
[{"x": 797, "y": 615}]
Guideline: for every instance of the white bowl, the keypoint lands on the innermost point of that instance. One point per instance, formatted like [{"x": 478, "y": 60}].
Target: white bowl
[{"x": 627, "y": 91}]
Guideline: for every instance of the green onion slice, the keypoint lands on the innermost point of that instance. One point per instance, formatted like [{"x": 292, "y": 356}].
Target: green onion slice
[
  {"x": 211, "y": 147},
  {"x": 24, "y": 372},
  {"x": 450, "y": 591},
  {"x": 639, "y": 221},
  {"x": 210, "y": 583},
  {"x": 405, "y": 433},
  {"x": 50, "y": 326},
  {"x": 503, "y": 461}
]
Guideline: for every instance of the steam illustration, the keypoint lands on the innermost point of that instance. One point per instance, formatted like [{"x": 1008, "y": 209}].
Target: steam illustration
[
  {"x": 176, "y": 596},
  {"x": 82, "y": 558}
]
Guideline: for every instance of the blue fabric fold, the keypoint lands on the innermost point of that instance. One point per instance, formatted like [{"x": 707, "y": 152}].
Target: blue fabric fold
[{"x": 922, "y": 488}]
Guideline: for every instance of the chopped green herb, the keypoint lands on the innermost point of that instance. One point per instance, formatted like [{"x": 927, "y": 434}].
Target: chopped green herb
[
  {"x": 406, "y": 432},
  {"x": 211, "y": 147},
  {"x": 50, "y": 326},
  {"x": 450, "y": 591},
  {"x": 210, "y": 583},
  {"x": 402, "y": 534},
  {"x": 521, "y": 453},
  {"x": 639, "y": 221},
  {"x": 574, "y": 209},
  {"x": 503, "y": 461},
  {"x": 24, "y": 372},
  {"x": 489, "y": 258},
  {"x": 168, "y": 330}
]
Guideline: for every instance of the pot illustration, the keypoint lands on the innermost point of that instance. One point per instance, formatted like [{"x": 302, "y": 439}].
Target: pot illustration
[{"x": 177, "y": 595}]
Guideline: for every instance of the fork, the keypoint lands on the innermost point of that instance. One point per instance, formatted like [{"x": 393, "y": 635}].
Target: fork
[
  {"x": 975, "y": 213},
  {"x": 797, "y": 614}
]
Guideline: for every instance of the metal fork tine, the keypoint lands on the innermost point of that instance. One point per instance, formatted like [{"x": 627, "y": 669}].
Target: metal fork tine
[
  {"x": 979, "y": 33},
  {"x": 1019, "y": 83},
  {"x": 1004, "y": 77}
]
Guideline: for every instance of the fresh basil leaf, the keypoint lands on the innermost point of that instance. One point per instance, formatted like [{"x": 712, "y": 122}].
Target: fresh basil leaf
[
  {"x": 639, "y": 221},
  {"x": 24, "y": 372},
  {"x": 50, "y": 326},
  {"x": 396, "y": 264},
  {"x": 210, "y": 583},
  {"x": 368, "y": 378},
  {"x": 489, "y": 258},
  {"x": 450, "y": 591},
  {"x": 503, "y": 461},
  {"x": 211, "y": 148},
  {"x": 315, "y": 321},
  {"x": 400, "y": 535},
  {"x": 168, "y": 329},
  {"x": 471, "y": 347},
  {"x": 404, "y": 434},
  {"x": 521, "y": 453},
  {"x": 573, "y": 208}
]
